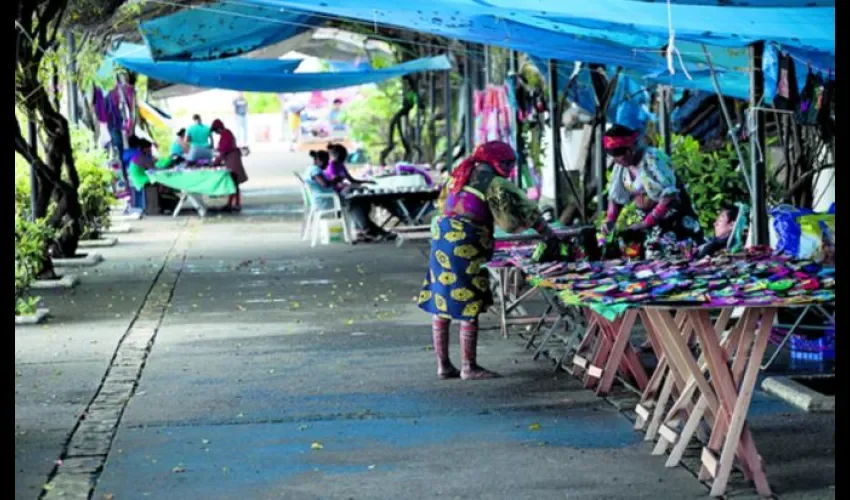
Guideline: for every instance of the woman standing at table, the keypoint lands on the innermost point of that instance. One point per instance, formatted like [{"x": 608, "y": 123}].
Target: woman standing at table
[
  {"x": 644, "y": 175},
  {"x": 476, "y": 196},
  {"x": 229, "y": 155}
]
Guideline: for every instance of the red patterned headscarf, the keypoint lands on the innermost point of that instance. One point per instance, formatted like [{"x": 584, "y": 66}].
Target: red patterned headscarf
[{"x": 493, "y": 153}]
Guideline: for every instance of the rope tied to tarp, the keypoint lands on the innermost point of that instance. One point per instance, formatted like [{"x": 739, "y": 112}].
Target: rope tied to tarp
[{"x": 671, "y": 45}]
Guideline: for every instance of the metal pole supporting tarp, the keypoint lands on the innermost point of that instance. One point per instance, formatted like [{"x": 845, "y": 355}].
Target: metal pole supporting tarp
[
  {"x": 447, "y": 104},
  {"x": 742, "y": 166},
  {"x": 757, "y": 147},
  {"x": 666, "y": 133},
  {"x": 555, "y": 129},
  {"x": 520, "y": 154},
  {"x": 468, "y": 121}
]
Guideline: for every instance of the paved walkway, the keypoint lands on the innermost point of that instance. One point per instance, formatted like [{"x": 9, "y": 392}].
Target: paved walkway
[{"x": 279, "y": 371}]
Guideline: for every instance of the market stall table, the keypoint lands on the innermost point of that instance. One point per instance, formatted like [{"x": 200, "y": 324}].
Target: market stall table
[
  {"x": 193, "y": 183},
  {"x": 676, "y": 300},
  {"x": 400, "y": 198}
]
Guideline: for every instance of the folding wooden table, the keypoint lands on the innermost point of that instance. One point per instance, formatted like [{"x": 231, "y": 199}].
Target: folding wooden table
[{"x": 724, "y": 375}]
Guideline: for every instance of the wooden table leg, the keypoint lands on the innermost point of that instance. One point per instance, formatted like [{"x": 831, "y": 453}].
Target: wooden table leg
[
  {"x": 622, "y": 332},
  {"x": 734, "y": 403}
]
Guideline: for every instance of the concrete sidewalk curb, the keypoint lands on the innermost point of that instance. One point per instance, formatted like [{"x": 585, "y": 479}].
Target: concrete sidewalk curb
[
  {"x": 90, "y": 260},
  {"x": 38, "y": 318},
  {"x": 119, "y": 229},
  {"x": 65, "y": 282},
  {"x": 99, "y": 243},
  {"x": 799, "y": 395}
]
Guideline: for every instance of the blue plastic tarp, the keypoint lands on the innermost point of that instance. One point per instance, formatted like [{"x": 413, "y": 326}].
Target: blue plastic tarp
[
  {"x": 631, "y": 23},
  {"x": 594, "y": 32},
  {"x": 271, "y": 75},
  {"x": 220, "y": 30}
]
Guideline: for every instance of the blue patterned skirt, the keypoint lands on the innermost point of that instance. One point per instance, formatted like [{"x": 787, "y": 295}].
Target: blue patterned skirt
[{"x": 457, "y": 285}]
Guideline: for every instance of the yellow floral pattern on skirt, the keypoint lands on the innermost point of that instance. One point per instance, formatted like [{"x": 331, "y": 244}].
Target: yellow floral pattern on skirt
[{"x": 457, "y": 285}]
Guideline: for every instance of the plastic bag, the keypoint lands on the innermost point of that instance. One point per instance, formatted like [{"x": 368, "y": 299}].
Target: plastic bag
[{"x": 805, "y": 234}]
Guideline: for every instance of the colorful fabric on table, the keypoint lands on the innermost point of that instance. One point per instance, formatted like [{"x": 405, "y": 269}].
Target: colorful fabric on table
[
  {"x": 457, "y": 285},
  {"x": 676, "y": 233},
  {"x": 754, "y": 278}
]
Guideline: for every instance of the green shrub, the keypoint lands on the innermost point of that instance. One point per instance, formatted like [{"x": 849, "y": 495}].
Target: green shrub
[
  {"x": 31, "y": 240},
  {"x": 95, "y": 191},
  {"x": 368, "y": 117},
  {"x": 712, "y": 178}
]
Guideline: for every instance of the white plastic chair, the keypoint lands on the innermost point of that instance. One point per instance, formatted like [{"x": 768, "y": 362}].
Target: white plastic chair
[{"x": 312, "y": 214}]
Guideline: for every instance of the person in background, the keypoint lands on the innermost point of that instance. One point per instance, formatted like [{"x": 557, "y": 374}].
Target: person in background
[
  {"x": 137, "y": 198},
  {"x": 179, "y": 147},
  {"x": 316, "y": 182},
  {"x": 229, "y": 155},
  {"x": 295, "y": 125},
  {"x": 200, "y": 141},
  {"x": 240, "y": 109},
  {"x": 341, "y": 181},
  {"x": 141, "y": 161},
  {"x": 335, "y": 116},
  {"x": 724, "y": 232},
  {"x": 643, "y": 175},
  {"x": 477, "y": 196}
]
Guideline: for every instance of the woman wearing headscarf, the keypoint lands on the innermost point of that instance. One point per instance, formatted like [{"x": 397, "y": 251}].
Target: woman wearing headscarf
[
  {"x": 644, "y": 175},
  {"x": 476, "y": 197},
  {"x": 229, "y": 155}
]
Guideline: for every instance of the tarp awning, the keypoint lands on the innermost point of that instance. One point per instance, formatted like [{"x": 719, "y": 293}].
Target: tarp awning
[
  {"x": 271, "y": 75},
  {"x": 220, "y": 30}
]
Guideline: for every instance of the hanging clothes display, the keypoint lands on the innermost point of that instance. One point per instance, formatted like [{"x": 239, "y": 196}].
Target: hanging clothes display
[{"x": 493, "y": 116}]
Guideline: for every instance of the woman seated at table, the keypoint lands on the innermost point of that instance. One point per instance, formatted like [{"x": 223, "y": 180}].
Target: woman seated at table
[
  {"x": 477, "y": 196},
  {"x": 229, "y": 155},
  {"x": 724, "y": 232},
  {"x": 644, "y": 175},
  {"x": 341, "y": 181},
  {"x": 179, "y": 147}
]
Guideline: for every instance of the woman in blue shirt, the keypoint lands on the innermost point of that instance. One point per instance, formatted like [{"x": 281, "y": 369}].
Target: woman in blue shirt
[{"x": 179, "y": 147}]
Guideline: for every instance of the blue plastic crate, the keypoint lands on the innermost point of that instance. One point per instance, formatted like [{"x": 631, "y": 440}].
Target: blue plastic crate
[{"x": 813, "y": 349}]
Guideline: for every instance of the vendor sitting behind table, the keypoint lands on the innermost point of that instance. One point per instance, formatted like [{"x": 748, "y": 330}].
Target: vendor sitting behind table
[
  {"x": 644, "y": 175},
  {"x": 724, "y": 231},
  {"x": 140, "y": 163},
  {"x": 341, "y": 181},
  {"x": 180, "y": 146}
]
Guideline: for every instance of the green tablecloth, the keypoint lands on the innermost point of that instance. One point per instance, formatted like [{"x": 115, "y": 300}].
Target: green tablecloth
[{"x": 205, "y": 181}]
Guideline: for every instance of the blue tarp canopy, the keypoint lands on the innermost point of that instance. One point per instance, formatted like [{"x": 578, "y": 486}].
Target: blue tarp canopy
[
  {"x": 625, "y": 33},
  {"x": 617, "y": 33},
  {"x": 218, "y": 74},
  {"x": 220, "y": 30},
  {"x": 270, "y": 75}
]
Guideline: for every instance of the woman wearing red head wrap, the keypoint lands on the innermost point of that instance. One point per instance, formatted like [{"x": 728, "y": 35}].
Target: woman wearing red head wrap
[
  {"x": 229, "y": 155},
  {"x": 644, "y": 175},
  {"x": 477, "y": 196}
]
